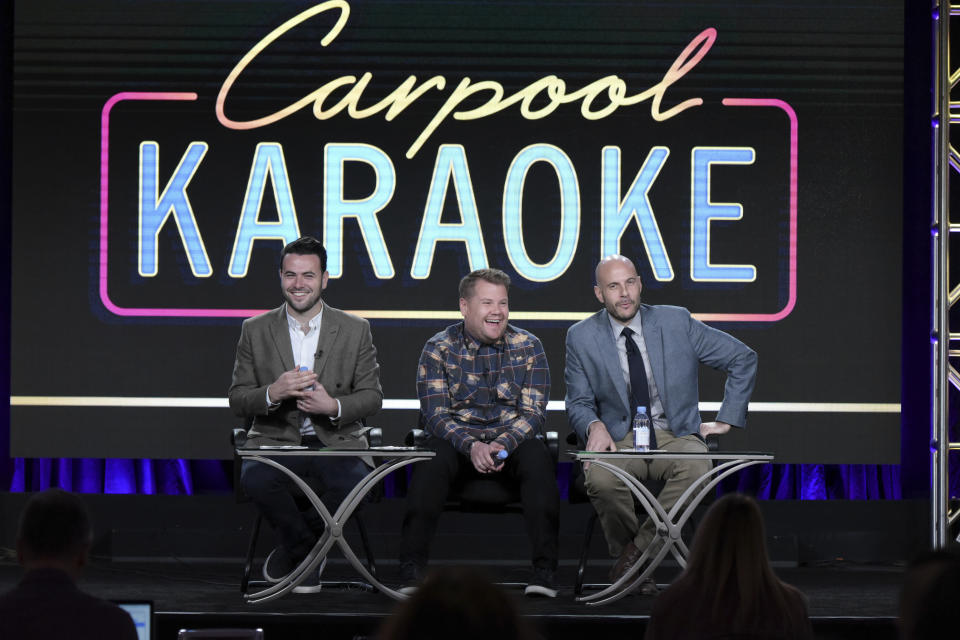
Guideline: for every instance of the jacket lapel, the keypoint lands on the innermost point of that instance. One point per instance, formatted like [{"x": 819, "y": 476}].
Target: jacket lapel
[
  {"x": 329, "y": 329},
  {"x": 653, "y": 339},
  {"x": 607, "y": 348},
  {"x": 280, "y": 332}
]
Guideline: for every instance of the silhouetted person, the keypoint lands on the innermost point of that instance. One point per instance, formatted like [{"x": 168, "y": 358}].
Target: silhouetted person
[
  {"x": 53, "y": 541},
  {"x": 728, "y": 589},
  {"x": 456, "y": 603},
  {"x": 931, "y": 593}
]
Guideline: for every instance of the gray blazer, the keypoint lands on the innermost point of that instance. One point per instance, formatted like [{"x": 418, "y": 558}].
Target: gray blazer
[
  {"x": 346, "y": 366},
  {"x": 676, "y": 344}
]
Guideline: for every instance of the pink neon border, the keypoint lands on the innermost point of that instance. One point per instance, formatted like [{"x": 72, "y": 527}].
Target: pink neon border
[
  {"x": 792, "y": 297},
  {"x": 104, "y": 196},
  {"x": 245, "y": 313}
]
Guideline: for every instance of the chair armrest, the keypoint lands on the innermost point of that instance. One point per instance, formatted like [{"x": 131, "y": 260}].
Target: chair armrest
[
  {"x": 713, "y": 442},
  {"x": 553, "y": 445},
  {"x": 238, "y": 437},
  {"x": 415, "y": 438}
]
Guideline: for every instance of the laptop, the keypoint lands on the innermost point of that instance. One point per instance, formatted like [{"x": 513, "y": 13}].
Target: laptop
[{"x": 142, "y": 613}]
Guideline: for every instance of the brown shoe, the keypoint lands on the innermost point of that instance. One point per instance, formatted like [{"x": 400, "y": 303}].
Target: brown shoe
[
  {"x": 628, "y": 558},
  {"x": 648, "y": 587}
]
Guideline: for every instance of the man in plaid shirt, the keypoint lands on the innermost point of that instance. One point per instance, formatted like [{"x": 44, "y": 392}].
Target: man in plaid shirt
[{"x": 483, "y": 386}]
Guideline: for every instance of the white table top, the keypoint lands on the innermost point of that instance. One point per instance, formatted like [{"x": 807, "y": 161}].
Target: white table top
[{"x": 300, "y": 450}]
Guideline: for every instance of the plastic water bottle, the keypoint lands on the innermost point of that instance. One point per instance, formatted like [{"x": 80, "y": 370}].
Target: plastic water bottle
[
  {"x": 641, "y": 430},
  {"x": 302, "y": 369}
]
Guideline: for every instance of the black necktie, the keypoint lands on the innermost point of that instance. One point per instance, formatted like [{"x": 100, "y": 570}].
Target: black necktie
[{"x": 638, "y": 380}]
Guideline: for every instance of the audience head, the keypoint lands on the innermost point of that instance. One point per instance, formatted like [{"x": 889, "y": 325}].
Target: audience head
[
  {"x": 54, "y": 531},
  {"x": 730, "y": 569},
  {"x": 456, "y": 603},
  {"x": 731, "y": 542},
  {"x": 931, "y": 591}
]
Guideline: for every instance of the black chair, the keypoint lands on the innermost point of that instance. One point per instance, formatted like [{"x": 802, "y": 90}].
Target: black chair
[
  {"x": 578, "y": 495},
  {"x": 238, "y": 439}
]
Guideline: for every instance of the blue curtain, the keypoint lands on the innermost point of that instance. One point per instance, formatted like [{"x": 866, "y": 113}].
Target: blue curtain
[
  {"x": 189, "y": 477},
  {"x": 124, "y": 476},
  {"x": 817, "y": 482}
]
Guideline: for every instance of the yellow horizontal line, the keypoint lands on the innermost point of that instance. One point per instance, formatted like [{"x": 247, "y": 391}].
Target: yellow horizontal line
[
  {"x": 397, "y": 314},
  {"x": 814, "y": 407},
  {"x": 400, "y": 404}
]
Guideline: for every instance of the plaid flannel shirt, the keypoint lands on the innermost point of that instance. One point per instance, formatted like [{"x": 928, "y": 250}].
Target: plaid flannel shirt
[{"x": 471, "y": 391}]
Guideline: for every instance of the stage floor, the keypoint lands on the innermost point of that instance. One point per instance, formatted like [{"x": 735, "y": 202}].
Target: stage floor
[{"x": 845, "y": 600}]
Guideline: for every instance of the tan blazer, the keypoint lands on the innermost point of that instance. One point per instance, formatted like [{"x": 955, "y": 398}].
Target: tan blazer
[{"x": 346, "y": 366}]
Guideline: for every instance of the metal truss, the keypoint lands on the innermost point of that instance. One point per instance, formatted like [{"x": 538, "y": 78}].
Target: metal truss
[{"x": 946, "y": 377}]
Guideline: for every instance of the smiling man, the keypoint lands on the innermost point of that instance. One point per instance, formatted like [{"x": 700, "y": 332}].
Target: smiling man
[
  {"x": 305, "y": 374},
  {"x": 483, "y": 386},
  {"x": 630, "y": 354}
]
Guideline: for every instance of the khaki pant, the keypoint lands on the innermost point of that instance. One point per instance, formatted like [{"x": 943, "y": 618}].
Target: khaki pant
[{"x": 614, "y": 501}]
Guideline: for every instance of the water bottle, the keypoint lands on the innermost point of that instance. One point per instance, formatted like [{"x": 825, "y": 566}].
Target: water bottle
[
  {"x": 641, "y": 430},
  {"x": 302, "y": 369}
]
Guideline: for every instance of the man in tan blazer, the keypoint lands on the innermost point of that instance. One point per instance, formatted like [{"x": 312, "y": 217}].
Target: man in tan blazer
[{"x": 305, "y": 373}]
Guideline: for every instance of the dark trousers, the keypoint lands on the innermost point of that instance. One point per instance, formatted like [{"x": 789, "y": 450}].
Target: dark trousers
[
  {"x": 530, "y": 465},
  {"x": 273, "y": 492}
]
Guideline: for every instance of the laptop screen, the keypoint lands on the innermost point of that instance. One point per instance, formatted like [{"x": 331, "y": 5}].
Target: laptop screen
[{"x": 142, "y": 613}]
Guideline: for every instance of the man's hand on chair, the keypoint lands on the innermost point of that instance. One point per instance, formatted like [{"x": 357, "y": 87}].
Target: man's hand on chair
[
  {"x": 598, "y": 439},
  {"x": 709, "y": 428}
]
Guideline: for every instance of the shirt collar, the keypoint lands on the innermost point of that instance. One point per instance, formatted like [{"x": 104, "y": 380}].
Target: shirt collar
[
  {"x": 294, "y": 325},
  {"x": 635, "y": 324},
  {"x": 472, "y": 343}
]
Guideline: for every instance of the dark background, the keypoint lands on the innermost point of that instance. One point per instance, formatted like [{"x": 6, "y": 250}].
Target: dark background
[{"x": 840, "y": 68}]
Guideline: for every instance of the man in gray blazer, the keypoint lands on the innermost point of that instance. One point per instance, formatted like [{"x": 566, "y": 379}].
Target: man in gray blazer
[
  {"x": 305, "y": 373},
  {"x": 601, "y": 400}
]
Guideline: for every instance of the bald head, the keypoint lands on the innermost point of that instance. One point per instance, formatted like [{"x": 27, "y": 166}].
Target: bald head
[
  {"x": 618, "y": 287},
  {"x": 604, "y": 265}
]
